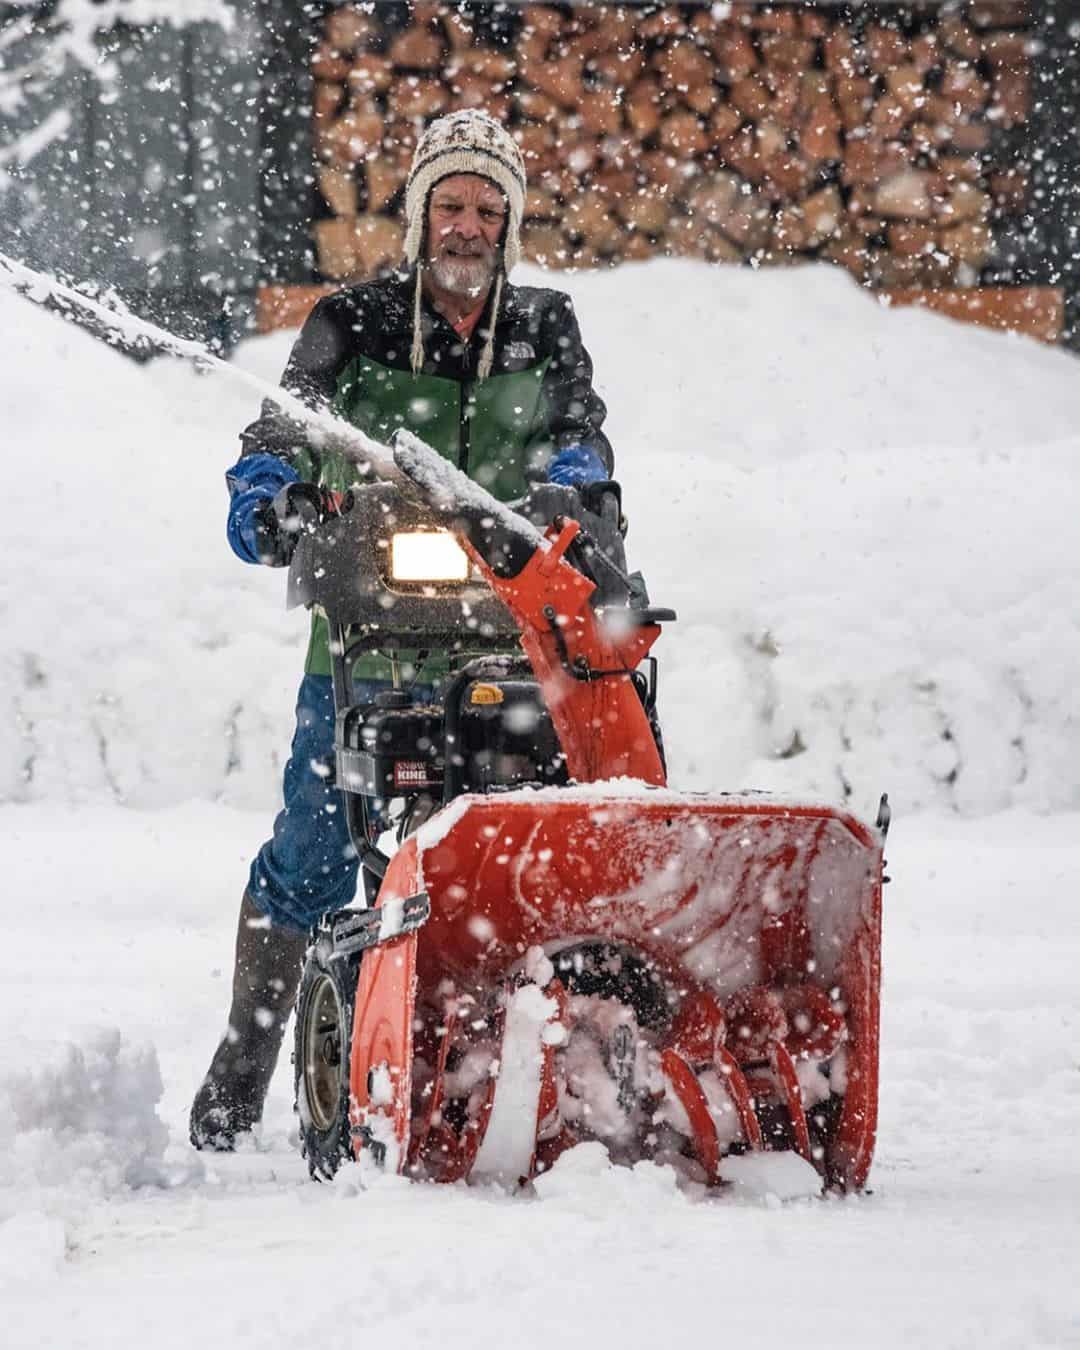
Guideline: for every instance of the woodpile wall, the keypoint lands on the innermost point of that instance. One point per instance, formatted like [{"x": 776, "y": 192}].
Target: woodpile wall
[{"x": 883, "y": 139}]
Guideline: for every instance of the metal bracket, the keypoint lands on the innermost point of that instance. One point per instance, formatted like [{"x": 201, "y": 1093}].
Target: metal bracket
[
  {"x": 358, "y": 930},
  {"x": 884, "y": 815}
]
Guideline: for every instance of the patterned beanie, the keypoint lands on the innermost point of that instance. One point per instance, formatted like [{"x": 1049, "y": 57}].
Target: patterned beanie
[{"x": 464, "y": 142}]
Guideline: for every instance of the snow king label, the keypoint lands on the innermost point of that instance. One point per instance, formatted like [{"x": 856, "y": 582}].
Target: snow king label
[{"x": 410, "y": 774}]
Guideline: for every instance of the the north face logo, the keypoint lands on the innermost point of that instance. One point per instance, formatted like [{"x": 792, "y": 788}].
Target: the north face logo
[{"x": 519, "y": 351}]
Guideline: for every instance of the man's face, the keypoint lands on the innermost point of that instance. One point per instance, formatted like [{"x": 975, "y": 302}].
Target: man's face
[{"x": 466, "y": 214}]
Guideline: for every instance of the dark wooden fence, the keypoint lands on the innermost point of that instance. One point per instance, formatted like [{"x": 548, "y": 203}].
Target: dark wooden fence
[{"x": 177, "y": 173}]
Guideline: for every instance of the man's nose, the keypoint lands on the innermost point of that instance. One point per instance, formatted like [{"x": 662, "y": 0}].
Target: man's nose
[{"x": 468, "y": 223}]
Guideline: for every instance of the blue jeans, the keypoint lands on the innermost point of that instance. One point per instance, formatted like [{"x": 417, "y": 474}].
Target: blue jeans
[{"x": 309, "y": 865}]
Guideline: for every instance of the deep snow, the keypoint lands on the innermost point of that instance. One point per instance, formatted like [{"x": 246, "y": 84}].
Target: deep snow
[
  {"x": 867, "y": 522},
  {"x": 968, "y": 1238}
]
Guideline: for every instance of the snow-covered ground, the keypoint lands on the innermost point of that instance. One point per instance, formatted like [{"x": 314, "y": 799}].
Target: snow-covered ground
[
  {"x": 867, "y": 522},
  {"x": 123, "y": 919}
]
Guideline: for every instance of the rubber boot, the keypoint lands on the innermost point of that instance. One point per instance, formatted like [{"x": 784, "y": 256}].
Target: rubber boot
[{"x": 265, "y": 979}]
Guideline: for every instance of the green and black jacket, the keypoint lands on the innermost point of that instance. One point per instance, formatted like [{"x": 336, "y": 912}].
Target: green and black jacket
[{"x": 353, "y": 356}]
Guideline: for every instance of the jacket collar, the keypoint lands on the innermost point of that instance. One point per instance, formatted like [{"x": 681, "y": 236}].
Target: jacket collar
[{"x": 397, "y": 315}]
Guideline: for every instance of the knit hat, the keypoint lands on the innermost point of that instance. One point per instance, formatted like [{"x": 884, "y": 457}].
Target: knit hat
[{"x": 469, "y": 141}]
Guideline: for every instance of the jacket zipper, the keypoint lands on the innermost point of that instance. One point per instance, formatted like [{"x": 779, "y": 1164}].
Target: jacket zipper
[{"x": 464, "y": 429}]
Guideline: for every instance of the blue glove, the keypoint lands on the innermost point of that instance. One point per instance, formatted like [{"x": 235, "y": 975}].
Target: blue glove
[
  {"x": 575, "y": 466},
  {"x": 254, "y": 482}
]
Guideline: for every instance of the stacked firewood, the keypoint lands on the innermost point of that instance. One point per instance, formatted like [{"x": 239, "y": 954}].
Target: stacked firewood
[{"x": 732, "y": 133}]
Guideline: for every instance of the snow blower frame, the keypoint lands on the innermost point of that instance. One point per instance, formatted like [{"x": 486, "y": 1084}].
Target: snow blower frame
[{"x": 592, "y": 955}]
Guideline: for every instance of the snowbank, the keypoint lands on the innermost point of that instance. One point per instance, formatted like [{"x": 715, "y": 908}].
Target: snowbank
[
  {"x": 864, "y": 518},
  {"x": 86, "y": 1122}
]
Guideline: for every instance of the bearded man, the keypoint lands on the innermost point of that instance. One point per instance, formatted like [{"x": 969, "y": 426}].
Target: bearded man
[{"x": 492, "y": 376}]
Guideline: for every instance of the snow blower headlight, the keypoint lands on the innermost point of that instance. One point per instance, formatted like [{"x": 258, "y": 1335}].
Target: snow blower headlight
[{"x": 427, "y": 555}]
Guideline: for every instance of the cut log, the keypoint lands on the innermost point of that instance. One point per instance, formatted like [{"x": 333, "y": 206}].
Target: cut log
[
  {"x": 681, "y": 133},
  {"x": 912, "y": 238},
  {"x": 750, "y": 97},
  {"x": 663, "y": 23},
  {"x": 335, "y": 246},
  {"x": 670, "y": 173},
  {"x": 960, "y": 168},
  {"x": 490, "y": 63},
  {"x": 1011, "y": 98},
  {"x": 417, "y": 49},
  {"x": 958, "y": 39},
  {"x": 370, "y": 74},
  {"x": 340, "y": 190},
  {"x": 643, "y": 108},
  {"x": 536, "y": 142},
  {"x": 536, "y": 106},
  {"x": 885, "y": 48},
  {"x": 819, "y": 137},
  {"x": 683, "y": 65},
  {"x": 329, "y": 64},
  {"x": 905, "y": 196},
  {"x": 615, "y": 184},
  {"x": 822, "y": 212},
  {"x": 712, "y": 200},
  {"x": 964, "y": 87},
  {"x": 963, "y": 202},
  {"x": 999, "y": 13},
  {"x": 545, "y": 244},
  {"x": 327, "y": 100},
  {"x": 1010, "y": 188},
  {"x": 926, "y": 52},
  {"x": 740, "y": 153},
  {"x": 787, "y": 175},
  {"x": 636, "y": 247},
  {"x": 723, "y": 123},
  {"x": 1007, "y": 51},
  {"x": 643, "y": 212},
  {"x": 542, "y": 205},
  {"x": 888, "y": 116},
  {"x": 379, "y": 241},
  {"x": 869, "y": 162},
  {"x": 543, "y": 19},
  {"x": 560, "y": 79},
  {"x": 775, "y": 19},
  {"x": 417, "y": 99},
  {"x": 384, "y": 176},
  {"x": 601, "y": 111},
  {"x": 589, "y": 217},
  {"x": 907, "y": 86},
  {"x": 787, "y": 51},
  {"x": 748, "y": 224},
  {"x": 469, "y": 90},
  {"x": 459, "y": 30},
  {"x": 970, "y": 243},
  {"x": 735, "y": 55},
  {"x": 347, "y": 29},
  {"x": 350, "y": 138},
  {"x": 619, "y": 68}
]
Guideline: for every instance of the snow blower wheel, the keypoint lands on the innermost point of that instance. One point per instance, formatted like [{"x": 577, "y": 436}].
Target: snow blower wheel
[{"x": 321, "y": 1061}]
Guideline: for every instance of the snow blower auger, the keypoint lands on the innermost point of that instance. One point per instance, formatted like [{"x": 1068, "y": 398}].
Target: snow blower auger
[{"x": 562, "y": 949}]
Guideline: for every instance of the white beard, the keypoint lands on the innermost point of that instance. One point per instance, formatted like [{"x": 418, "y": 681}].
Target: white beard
[{"x": 463, "y": 276}]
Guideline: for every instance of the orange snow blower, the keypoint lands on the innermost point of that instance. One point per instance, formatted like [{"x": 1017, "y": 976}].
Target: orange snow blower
[{"x": 562, "y": 948}]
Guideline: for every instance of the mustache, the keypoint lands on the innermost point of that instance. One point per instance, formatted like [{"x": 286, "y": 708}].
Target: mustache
[{"x": 465, "y": 248}]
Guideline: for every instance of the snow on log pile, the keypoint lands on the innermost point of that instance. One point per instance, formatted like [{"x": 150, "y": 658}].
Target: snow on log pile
[{"x": 866, "y": 520}]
